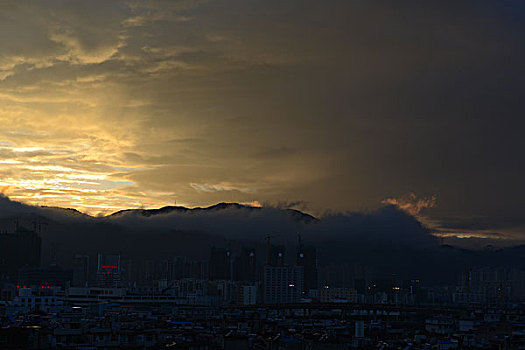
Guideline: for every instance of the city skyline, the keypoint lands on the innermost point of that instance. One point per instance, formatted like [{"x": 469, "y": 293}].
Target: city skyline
[{"x": 259, "y": 174}]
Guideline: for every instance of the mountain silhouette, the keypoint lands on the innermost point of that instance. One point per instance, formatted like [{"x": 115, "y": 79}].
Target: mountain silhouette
[
  {"x": 388, "y": 239},
  {"x": 295, "y": 214}
]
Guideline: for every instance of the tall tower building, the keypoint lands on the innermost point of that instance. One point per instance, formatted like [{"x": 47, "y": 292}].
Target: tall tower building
[
  {"x": 245, "y": 265},
  {"x": 307, "y": 258},
  {"x": 19, "y": 249},
  {"x": 80, "y": 270},
  {"x": 108, "y": 271},
  {"x": 277, "y": 255},
  {"x": 220, "y": 264}
]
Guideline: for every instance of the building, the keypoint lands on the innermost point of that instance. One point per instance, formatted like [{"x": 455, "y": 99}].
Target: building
[
  {"x": 276, "y": 255},
  {"x": 412, "y": 291},
  {"x": 491, "y": 285},
  {"x": 246, "y": 295},
  {"x": 108, "y": 271},
  {"x": 185, "y": 267},
  {"x": 282, "y": 284},
  {"x": 354, "y": 276},
  {"x": 19, "y": 249},
  {"x": 307, "y": 258},
  {"x": 37, "y": 299},
  {"x": 220, "y": 264},
  {"x": 80, "y": 270},
  {"x": 7, "y": 291},
  {"x": 245, "y": 266},
  {"x": 333, "y": 295},
  {"x": 44, "y": 277}
]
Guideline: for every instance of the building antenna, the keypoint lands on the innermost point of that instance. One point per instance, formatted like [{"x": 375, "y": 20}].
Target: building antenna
[
  {"x": 300, "y": 242},
  {"x": 468, "y": 284},
  {"x": 269, "y": 248}
]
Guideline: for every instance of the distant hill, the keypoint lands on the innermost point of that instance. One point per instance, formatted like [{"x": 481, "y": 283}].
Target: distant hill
[
  {"x": 388, "y": 239},
  {"x": 295, "y": 214}
]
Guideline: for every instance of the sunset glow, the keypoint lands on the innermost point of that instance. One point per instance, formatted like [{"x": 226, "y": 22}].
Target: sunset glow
[{"x": 131, "y": 104}]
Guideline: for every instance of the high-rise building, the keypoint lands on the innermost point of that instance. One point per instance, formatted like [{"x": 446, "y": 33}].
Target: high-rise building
[
  {"x": 283, "y": 284},
  {"x": 354, "y": 276},
  {"x": 108, "y": 271},
  {"x": 220, "y": 264},
  {"x": 129, "y": 271},
  {"x": 177, "y": 268},
  {"x": 307, "y": 258},
  {"x": 491, "y": 285},
  {"x": 245, "y": 267},
  {"x": 19, "y": 249},
  {"x": 186, "y": 267},
  {"x": 45, "y": 277},
  {"x": 277, "y": 255},
  {"x": 147, "y": 272},
  {"x": 80, "y": 270}
]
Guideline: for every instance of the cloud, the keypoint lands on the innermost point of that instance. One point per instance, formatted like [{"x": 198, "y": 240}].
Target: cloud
[
  {"x": 387, "y": 240},
  {"x": 254, "y": 204},
  {"x": 254, "y": 222},
  {"x": 337, "y": 104},
  {"x": 220, "y": 187},
  {"x": 43, "y": 35},
  {"x": 411, "y": 203}
]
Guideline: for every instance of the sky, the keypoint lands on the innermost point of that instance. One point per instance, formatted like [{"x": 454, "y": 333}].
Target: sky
[{"x": 318, "y": 105}]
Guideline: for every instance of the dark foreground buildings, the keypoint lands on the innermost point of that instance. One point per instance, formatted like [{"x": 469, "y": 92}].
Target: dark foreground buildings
[
  {"x": 234, "y": 301},
  {"x": 53, "y": 275}
]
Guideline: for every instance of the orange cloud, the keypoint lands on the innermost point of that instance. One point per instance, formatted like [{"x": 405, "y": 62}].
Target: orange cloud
[
  {"x": 411, "y": 203},
  {"x": 254, "y": 204},
  {"x": 4, "y": 189}
]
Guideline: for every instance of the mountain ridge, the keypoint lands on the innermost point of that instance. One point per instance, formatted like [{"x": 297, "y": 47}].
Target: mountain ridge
[{"x": 294, "y": 213}]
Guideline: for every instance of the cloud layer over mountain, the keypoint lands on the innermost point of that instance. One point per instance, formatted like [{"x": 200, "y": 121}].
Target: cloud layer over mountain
[{"x": 388, "y": 239}]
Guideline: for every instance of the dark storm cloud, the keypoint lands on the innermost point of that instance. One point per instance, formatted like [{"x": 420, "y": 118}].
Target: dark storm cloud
[{"x": 338, "y": 104}]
